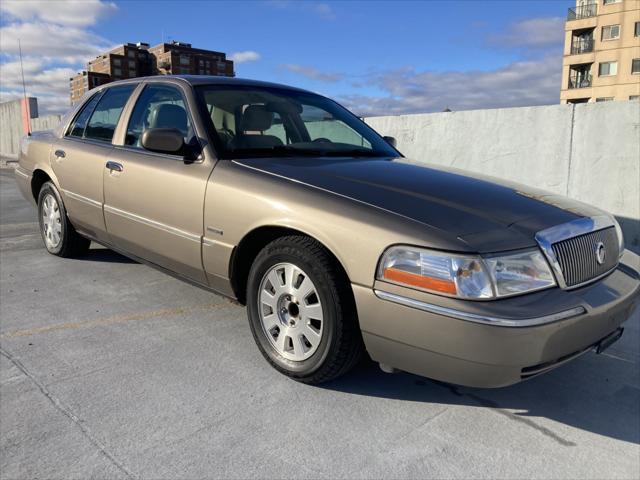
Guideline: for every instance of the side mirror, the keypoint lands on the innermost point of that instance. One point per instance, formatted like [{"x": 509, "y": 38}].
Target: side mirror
[
  {"x": 391, "y": 141},
  {"x": 163, "y": 140}
]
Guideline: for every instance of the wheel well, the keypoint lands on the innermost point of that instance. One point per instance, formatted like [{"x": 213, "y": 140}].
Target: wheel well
[
  {"x": 38, "y": 179},
  {"x": 249, "y": 247}
]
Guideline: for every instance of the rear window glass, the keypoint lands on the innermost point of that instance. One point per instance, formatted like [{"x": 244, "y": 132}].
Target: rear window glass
[
  {"x": 79, "y": 124},
  {"x": 105, "y": 116}
]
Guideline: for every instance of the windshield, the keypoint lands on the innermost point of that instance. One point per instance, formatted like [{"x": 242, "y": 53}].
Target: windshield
[{"x": 250, "y": 121}]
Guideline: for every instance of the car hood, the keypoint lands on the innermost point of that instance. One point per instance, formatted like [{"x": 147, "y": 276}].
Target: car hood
[{"x": 485, "y": 213}]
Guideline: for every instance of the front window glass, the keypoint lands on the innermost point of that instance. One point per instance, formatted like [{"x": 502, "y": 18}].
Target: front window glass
[
  {"x": 264, "y": 121},
  {"x": 159, "y": 106}
]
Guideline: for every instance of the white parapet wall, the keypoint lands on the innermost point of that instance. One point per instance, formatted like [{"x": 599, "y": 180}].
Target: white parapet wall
[
  {"x": 11, "y": 128},
  {"x": 590, "y": 152},
  {"x": 45, "y": 123},
  {"x": 13, "y": 125}
]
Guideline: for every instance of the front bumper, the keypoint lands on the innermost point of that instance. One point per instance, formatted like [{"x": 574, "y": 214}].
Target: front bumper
[{"x": 475, "y": 348}]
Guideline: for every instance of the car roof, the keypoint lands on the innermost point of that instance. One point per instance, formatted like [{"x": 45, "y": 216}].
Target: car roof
[{"x": 206, "y": 80}]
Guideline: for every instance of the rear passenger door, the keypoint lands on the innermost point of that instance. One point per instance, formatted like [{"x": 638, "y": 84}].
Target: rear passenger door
[
  {"x": 154, "y": 202},
  {"x": 79, "y": 157}
]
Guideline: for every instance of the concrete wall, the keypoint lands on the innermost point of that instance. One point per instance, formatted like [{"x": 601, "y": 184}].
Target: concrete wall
[
  {"x": 45, "y": 123},
  {"x": 10, "y": 128},
  {"x": 12, "y": 125},
  {"x": 590, "y": 152}
]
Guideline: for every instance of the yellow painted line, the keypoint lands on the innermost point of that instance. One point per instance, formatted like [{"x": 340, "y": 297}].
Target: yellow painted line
[{"x": 111, "y": 320}]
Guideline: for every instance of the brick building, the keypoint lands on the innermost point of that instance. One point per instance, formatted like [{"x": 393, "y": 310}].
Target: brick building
[
  {"x": 139, "y": 60},
  {"x": 178, "y": 58}
]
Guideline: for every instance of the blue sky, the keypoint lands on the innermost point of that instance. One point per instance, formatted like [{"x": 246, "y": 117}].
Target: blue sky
[{"x": 376, "y": 57}]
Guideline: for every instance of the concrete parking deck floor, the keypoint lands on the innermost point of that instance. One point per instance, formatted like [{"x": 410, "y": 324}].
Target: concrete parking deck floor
[{"x": 110, "y": 369}]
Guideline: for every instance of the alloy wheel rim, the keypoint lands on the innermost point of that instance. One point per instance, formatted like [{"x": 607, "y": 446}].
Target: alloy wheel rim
[
  {"x": 51, "y": 224},
  {"x": 290, "y": 311}
]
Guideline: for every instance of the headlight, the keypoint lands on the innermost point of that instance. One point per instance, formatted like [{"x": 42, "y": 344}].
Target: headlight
[
  {"x": 619, "y": 235},
  {"x": 464, "y": 276}
]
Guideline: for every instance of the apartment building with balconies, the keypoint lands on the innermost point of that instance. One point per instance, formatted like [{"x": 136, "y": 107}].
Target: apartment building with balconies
[
  {"x": 601, "y": 59},
  {"x": 138, "y": 60},
  {"x": 178, "y": 58}
]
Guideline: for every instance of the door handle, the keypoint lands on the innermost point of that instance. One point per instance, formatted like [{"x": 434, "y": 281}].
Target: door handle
[
  {"x": 114, "y": 166},
  {"x": 60, "y": 154}
]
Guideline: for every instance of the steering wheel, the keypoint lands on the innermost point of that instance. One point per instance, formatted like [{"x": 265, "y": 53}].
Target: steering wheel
[
  {"x": 322, "y": 140},
  {"x": 226, "y": 135}
]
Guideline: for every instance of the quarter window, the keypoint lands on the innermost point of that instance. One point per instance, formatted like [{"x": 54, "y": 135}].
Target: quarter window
[
  {"x": 607, "y": 69},
  {"x": 159, "y": 106},
  {"x": 611, "y": 32},
  {"x": 105, "y": 116}
]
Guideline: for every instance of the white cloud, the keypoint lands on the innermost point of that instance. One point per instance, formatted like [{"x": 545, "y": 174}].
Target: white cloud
[
  {"x": 246, "y": 56},
  {"x": 543, "y": 32},
  {"x": 313, "y": 73},
  {"x": 53, "y": 42},
  {"x": 81, "y": 13},
  {"x": 49, "y": 85},
  {"x": 37, "y": 77},
  {"x": 323, "y": 10},
  {"x": 521, "y": 83},
  {"x": 56, "y": 44}
]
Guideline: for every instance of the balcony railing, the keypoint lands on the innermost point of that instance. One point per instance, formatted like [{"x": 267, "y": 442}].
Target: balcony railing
[
  {"x": 583, "y": 11},
  {"x": 580, "y": 81},
  {"x": 581, "y": 45}
]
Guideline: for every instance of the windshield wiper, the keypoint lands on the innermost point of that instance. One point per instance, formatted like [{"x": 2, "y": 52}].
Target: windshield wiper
[
  {"x": 324, "y": 152},
  {"x": 292, "y": 150},
  {"x": 356, "y": 152}
]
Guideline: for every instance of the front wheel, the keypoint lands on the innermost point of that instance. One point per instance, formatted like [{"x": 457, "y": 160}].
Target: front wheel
[
  {"x": 59, "y": 236},
  {"x": 301, "y": 311}
]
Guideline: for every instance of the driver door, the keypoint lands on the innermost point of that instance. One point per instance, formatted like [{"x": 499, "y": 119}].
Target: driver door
[{"x": 154, "y": 202}]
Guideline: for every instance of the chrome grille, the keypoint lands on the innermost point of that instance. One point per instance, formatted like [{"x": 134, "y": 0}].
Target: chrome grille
[{"x": 577, "y": 256}]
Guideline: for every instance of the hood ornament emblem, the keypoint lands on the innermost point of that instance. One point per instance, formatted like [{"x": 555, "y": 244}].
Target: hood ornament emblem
[{"x": 601, "y": 253}]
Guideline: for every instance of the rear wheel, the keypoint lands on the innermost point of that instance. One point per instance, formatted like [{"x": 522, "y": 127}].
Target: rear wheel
[
  {"x": 301, "y": 311},
  {"x": 59, "y": 236}
]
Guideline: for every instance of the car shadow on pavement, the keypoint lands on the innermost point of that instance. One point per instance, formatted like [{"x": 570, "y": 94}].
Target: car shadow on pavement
[
  {"x": 101, "y": 254},
  {"x": 594, "y": 393}
]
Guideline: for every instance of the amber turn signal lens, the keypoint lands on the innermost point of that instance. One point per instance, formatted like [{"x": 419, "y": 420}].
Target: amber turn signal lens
[{"x": 428, "y": 283}]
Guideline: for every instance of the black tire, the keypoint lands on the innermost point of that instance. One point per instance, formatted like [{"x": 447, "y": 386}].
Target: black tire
[
  {"x": 341, "y": 345},
  {"x": 71, "y": 243}
]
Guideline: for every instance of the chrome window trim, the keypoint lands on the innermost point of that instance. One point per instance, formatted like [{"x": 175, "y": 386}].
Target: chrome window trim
[
  {"x": 476, "y": 318},
  {"x": 88, "y": 141},
  {"x": 580, "y": 226},
  {"x": 142, "y": 151}
]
